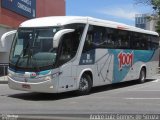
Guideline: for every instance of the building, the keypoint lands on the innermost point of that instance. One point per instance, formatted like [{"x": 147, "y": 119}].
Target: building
[
  {"x": 143, "y": 21},
  {"x": 14, "y": 12}
]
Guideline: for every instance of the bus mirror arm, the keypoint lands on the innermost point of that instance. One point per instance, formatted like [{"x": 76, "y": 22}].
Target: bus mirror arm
[
  {"x": 58, "y": 35},
  {"x": 3, "y": 38}
]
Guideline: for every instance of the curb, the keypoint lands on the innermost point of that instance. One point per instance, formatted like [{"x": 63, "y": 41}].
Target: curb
[{"x": 3, "y": 82}]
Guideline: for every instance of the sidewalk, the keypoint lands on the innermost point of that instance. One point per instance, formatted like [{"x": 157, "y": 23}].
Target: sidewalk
[{"x": 3, "y": 80}]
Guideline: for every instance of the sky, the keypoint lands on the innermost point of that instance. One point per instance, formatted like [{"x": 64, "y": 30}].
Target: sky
[{"x": 115, "y": 10}]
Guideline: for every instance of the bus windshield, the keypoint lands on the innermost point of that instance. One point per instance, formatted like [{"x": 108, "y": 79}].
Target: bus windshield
[{"x": 32, "y": 48}]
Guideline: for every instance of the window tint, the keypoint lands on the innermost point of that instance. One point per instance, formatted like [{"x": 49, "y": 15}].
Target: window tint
[
  {"x": 102, "y": 37},
  {"x": 110, "y": 38},
  {"x": 70, "y": 42},
  {"x": 144, "y": 41},
  {"x": 139, "y": 41},
  {"x": 123, "y": 39},
  {"x": 154, "y": 42}
]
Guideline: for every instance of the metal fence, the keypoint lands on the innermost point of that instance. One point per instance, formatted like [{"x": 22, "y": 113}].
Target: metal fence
[{"x": 3, "y": 69}]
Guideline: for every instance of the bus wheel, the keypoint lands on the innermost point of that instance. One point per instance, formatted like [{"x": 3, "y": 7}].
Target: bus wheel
[
  {"x": 85, "y": 85},
  {"x": 142, "y": 76}
]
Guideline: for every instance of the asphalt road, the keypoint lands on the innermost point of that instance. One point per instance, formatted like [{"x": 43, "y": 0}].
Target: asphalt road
[{"x": 123, "y": 98}]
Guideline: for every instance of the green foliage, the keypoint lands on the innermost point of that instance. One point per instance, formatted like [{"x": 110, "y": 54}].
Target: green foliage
[
  {"x": 158, "y": 26},
  {"x": 156, "y": 6}
]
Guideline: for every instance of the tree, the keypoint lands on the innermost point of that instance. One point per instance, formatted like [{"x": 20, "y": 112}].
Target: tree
[
  {"x": 145, "y": 2},
  {"x": 156, "y": 6},
  {"x": 154, "y": 3}
]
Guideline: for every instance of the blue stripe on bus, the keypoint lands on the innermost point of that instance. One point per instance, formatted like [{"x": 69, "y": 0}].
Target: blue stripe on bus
[
  {"x": 88, "y": 58},
  {"x": 138, "y": 56},
  {"x": 38, "y": 73}
]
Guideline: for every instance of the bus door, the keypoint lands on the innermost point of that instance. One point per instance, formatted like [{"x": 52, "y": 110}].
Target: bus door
[{"x": 67, "y": 51}]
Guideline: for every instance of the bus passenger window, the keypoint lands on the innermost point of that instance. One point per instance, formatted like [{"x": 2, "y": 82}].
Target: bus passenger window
[
  {"x": 110, "y": 36},
  {"x": 66, "y": 48},
  {"x": 154, "y": 44},
  {"x": 88, "y": 45},
  {"x": 123, "y": 39},
  {"x": 96, "y": 38}
]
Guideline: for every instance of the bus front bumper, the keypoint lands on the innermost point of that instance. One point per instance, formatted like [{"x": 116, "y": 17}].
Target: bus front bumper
[{"x": 41, "y": 87}]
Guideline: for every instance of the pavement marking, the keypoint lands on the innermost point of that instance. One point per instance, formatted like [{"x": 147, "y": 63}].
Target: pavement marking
[
  {"x": 142, "y": 98},
  {"x": 146, "y": 90}
]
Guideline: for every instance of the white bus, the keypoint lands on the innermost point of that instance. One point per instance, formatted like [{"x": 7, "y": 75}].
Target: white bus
[{"x": 59, "y": 54}]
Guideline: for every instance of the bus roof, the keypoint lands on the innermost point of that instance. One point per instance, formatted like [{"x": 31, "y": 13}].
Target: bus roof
[{"x": 63, "y": 20}]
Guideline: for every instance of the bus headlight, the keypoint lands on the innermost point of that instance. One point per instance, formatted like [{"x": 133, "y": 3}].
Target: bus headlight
[
  {"x": 10, "y": 75},
  {"x": 48, "y": 78}
]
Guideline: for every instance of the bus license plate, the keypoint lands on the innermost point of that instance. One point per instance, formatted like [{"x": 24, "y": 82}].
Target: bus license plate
[{"x": 26, "y": 86}]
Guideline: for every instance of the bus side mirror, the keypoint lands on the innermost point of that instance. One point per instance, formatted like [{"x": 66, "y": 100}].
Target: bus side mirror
[
  {"x": 3, "y": 39},
  {"x": 58, "y": 36}
]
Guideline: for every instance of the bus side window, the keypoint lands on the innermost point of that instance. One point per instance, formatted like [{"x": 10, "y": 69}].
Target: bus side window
[
  {"x": 123, "y": 39},
  {"x": 154, "y": 42},
  {"x": 144, "y": 43},
  {"x": 140, "y": 41},
  {"x": 110, "y": 38},
  {"x": 109, "y": 41},
  {"x": 88, "y": 45},
  {"x": 136, "y": 41},
  {"x": 96, "y": 38},
  {"x": 65, "y": 49},
  {"x": 69, "y": 43}
]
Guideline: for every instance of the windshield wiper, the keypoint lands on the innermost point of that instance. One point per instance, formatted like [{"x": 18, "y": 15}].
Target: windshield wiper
[
  {"x": 19, "y": 58},
  {"x": 21, "y": 54},
  {"x": 30, "y": 52}
]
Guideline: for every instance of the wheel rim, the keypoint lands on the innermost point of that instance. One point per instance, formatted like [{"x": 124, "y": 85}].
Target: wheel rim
[{"x": 83, "y": 84}]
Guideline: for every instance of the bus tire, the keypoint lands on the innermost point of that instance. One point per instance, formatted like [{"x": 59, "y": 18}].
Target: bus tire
[
  {"x": 142, "y": 76},
  {"x": 85, "y": 85}
]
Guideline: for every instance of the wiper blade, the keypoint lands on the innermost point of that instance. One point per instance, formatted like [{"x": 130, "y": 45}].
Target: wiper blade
[
  {"x": 21, "y": 54},
  {"x": 19, "y": 58}
]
